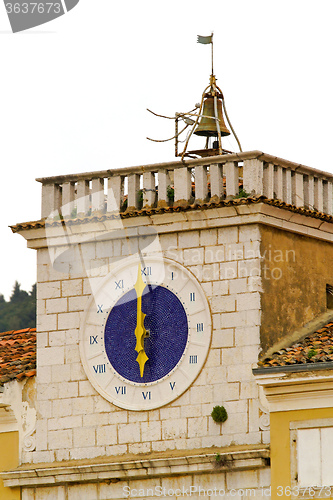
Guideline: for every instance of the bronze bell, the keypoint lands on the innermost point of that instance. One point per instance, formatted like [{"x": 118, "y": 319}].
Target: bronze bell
[{"x": 207, "y": 126}]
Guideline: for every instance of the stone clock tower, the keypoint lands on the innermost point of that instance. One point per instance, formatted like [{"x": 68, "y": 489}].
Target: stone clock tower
[{"x": 153, "y": 309}]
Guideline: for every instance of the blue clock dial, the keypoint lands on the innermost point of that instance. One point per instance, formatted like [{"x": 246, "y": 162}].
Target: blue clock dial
[{"x": 167, "y": 327}]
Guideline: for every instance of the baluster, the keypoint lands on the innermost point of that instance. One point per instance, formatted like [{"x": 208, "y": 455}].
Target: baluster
[
  {"x": 253, "y": 177},
  {"x": 115, "y": 193},
  {"x": 328, "y": 197},
  {"x": 164, "y": 184},
  {"x": 68, "y": 195},
  {"x": 231, "y": 179},
  {"x": 269, "y": 180},
  {"x": 309, "y": 192},
  {"x": 278, "y": 182},
  {"x": 97, "y": 195},
  {"x": 51, "y": 200},
  {"x": 216, "y": 182},
  {"x": 133, "y": 191},
  {"x": 318, "y": 194},
  {"x": 83, "y": 202},
  {"x": 287, "y": 187},
  {"x": 201, "y": 186},
  {"x": 298, "y": 189},
  {"x": 182, "y": 180},
  {"x": 149, "y": 191}
]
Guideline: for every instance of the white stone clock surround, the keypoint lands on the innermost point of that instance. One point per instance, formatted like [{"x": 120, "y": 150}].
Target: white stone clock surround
[{"x": 156, "y": 271}]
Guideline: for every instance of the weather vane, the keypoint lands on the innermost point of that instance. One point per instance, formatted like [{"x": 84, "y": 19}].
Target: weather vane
[{"x": 209, "y": 112}]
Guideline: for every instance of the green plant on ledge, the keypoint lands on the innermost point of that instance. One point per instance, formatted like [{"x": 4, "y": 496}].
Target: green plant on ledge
[
  {"x": 140, "y": 196},
  {"x": 219, "y": 414},
  {"x": 220, "y": 460},
  {"x": 171, "y": 193},
  {"x": 124, "y": 204},
  {"x": 242, "y": 194},
  {"x": 74, "y": 213},
  {"x": 311, "y": 353}
]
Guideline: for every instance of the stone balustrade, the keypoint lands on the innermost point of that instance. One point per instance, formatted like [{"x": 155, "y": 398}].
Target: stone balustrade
[{"x": 193, "y": 181}]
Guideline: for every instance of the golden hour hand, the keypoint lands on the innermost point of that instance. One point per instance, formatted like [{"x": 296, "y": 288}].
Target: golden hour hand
[{"x": 140, "y": 331}]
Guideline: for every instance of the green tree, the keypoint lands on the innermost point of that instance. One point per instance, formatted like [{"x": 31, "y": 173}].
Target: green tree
[
  {"x": 18, "y": 295},
  {"x": 20, "y": 311}
]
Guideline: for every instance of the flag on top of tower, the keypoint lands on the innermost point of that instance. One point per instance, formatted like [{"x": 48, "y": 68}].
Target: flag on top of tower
[{"x": 205, "y": 39}]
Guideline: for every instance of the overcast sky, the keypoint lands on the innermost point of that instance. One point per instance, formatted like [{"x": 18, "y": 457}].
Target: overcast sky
[{"x": 74, "y": 92}]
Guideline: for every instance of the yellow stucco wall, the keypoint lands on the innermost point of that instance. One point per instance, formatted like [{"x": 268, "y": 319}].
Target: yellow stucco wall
[
  {"x": 295, "y": 271},
  {"x": 9, "y": 459},
  {"x": 280, "y": 446}
]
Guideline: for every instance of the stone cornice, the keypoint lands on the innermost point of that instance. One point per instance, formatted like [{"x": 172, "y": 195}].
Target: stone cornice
[
  {"x": 204, "y": 218},
  {"x": 241, "y": 458},
  {"x": 286, "y": 392}
]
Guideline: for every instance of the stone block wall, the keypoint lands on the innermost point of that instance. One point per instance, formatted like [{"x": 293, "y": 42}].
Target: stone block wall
[{"x": 75, "y": 422}]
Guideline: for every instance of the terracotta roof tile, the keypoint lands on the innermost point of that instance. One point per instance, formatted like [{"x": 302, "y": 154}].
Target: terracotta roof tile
[
  {"x": 315, "y": 348},
  {"x": 17, "y": 354}
]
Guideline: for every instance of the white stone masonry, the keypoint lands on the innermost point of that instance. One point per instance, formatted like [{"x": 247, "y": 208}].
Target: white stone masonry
[{"x": 75, "y": 422}]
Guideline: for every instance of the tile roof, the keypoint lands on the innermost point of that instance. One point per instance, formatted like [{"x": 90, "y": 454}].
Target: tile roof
[
  {"x": 159, "y": 210},
  {"x": 315, "y": 348},
  {"x": 17, "y": 354}
]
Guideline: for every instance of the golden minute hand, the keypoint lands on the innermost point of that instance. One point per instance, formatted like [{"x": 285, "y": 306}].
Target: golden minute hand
[{"x": 140, "y": 331}]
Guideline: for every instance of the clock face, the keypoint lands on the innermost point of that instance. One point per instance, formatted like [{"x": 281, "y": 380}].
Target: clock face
[{"x": 146, "y": 333}]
